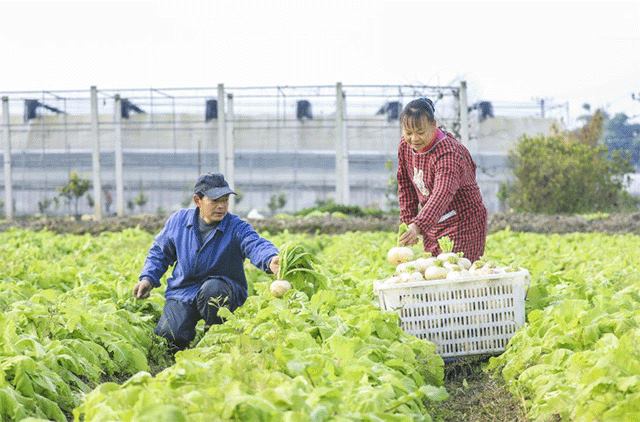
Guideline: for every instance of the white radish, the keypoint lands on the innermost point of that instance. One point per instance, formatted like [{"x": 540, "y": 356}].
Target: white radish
[
  {"x": 430, "y": 262},
  {"x": 451, "y": 267},
  {"x": 457, "y": 275},
  {"x": 477, "y": 266},
  {"x": 422, "y": 264},
  {"x": 433, "y": 261},
  {"x": 393, "y": 280},
  {"x": 406, "y": 267},
  {"x": 499, "y": 270},
  {"x": 486, "y": 269},
  {"x": 399, "y": 254},
  {"x": 464, "y": 263},
  {"x": 279, "y": 287},
  {"x": 510, "y": 269},
  {"x": 404, "y": 278},
  {"x": 435, "y": 273},
  {"x": 448, "y": 257},
  {"x": 416, "y": 276}
]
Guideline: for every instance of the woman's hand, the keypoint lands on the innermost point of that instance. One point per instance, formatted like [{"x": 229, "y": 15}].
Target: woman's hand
[{"x": 410, "y": 237}]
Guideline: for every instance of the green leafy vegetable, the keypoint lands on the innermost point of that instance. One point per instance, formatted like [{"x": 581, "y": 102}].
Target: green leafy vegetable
[
  {"x": 299, "y": 268},
  {"x": 402, "y": 229},
  {"x": 68, "y": 322},
  {"x": 330, "y": 355},
  {"x": 446, "y": 244}
]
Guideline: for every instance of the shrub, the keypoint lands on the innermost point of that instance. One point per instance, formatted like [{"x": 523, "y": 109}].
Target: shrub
[
  {"x": 561, "y": 174},
  {"x": 330, "y": 206}
]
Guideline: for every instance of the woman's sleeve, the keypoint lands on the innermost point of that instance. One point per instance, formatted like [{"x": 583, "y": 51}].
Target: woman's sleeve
[
  {"x": 407, "y": 196},
  {"x": 447, "y": 175}
]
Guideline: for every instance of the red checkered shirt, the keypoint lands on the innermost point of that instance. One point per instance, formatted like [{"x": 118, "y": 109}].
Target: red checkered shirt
[{"x": 437, "y": 191}]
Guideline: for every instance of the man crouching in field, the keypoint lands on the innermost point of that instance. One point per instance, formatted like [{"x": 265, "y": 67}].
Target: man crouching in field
[{"x": 208, "y": 246}]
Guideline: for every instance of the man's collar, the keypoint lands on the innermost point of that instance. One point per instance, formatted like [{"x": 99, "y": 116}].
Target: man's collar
[{"x": 193, "y": 220}]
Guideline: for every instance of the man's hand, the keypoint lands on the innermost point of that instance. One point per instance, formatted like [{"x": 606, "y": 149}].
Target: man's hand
[
  {"x": 274, "y": 264},
  {"x": 410, "y": 237},
  {"x": 142, "y": 290}
]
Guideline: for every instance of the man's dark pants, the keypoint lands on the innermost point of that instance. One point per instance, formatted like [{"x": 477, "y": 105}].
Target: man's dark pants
[{"x": 178, "y": 321}]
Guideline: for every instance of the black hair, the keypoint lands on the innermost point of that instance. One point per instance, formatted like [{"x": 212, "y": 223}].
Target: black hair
[
  {"x": 200, "y": 195},
  {"x": 416, "y": 111}
]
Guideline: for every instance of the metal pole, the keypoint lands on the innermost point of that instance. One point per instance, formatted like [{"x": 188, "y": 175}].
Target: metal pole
[
  {"x": 222, "y": 132},
  {"x": 200, "y": 152},
  {"x": 342, "y": 153},
  {"x": 346, "y": 186},
  {"x": 339, "y": 136},
  {"x": 298, "y": 133},
  {"x": 230, "y": 165},
  {"x": 173, "y": 125},
  {"x": 464, "y": 118},
  {"x": 97, "y": 183},
  {"x": 8, "y": 181},
  {"x": 118, "y": 157}
]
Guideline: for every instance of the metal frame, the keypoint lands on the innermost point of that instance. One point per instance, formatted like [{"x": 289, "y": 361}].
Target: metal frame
[{"x": 344, "y": 107}]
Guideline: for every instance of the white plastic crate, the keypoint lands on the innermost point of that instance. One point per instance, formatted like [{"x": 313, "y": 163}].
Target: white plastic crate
[{"x": 469, "y": 316}]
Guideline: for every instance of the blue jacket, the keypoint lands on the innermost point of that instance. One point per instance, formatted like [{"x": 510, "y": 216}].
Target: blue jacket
[{"x": 222, "y": 254}]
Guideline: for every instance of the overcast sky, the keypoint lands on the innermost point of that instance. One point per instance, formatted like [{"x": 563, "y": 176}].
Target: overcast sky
[{"x": 510, "y": 51}]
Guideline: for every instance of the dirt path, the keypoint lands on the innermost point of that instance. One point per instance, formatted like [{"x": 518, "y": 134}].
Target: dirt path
[{"x": 475, "y": 396}]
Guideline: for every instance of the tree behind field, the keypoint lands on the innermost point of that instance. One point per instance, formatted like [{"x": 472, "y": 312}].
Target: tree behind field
[
  {"x": 75, "y": 189},
  {"x": 569, "y": 172},
  {"x": 623, "y": 136}
]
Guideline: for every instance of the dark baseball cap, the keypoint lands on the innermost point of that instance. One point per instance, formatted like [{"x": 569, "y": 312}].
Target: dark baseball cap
[{"x": 212, "y": 185}]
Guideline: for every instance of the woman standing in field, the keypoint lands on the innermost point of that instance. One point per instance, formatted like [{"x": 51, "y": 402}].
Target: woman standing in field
[{"x": 437, "y": 188}]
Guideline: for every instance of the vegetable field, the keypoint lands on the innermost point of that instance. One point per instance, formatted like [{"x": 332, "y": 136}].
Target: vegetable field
[{"x": 76, "y": 345}]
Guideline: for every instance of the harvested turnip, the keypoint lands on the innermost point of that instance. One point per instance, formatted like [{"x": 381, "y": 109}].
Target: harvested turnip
[
  {"x": 435, "y": 273},
  {"x": 300, "y": 268},
  {"x": 392, "y": 280},
  {"x": 448, "y": 257},
  {"x": 406, "y": 267},
  {"x": 430, "y": 262},
  {"x": 279, "y": 287},
  {"x": 446, "y": 246},
  {"x": 404, "y": 278},
  {"x": 486, "y": 269},
  {"x": 399, "y": 255},
  {"x": 477, "y": 266},
  {"x": 416, "y": 276},
  {"x": 457, "y": 274},
  {"x": 422, "y": 264},
  {"x": 464, "y": 263},
  {"x": 451, "y": 267},
  {"x": 510, "y": 269}
]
